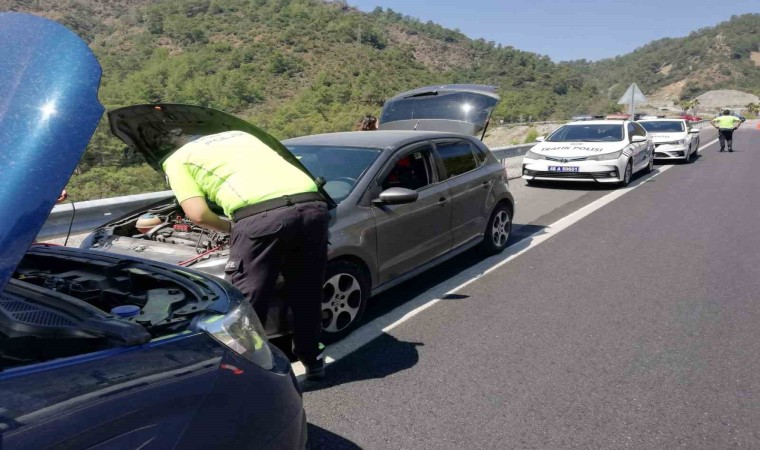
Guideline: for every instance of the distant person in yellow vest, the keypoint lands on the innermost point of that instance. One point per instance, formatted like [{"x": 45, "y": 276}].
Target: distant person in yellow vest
[
  {"x": 726, "y": 124},
  {"x": 280, "y": 225}
]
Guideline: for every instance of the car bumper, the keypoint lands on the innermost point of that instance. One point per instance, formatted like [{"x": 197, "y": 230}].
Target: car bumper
[
  {"x": 671, "y": 152},
  {"x": 588, "y": 171}
]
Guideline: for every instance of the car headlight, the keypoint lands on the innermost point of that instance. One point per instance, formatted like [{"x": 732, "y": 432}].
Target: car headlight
[
  {"x": 241, "y": 332},
  {"x": 606, "y": 156},
  {"x": 533, "y": 155},
  {"x": 679, "y": 142}
]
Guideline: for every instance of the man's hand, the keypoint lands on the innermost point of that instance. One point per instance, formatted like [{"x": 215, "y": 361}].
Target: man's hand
[{"x": 196, "y": 209}]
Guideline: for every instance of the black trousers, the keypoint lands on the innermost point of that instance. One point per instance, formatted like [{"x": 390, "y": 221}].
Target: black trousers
[
  {"x": 725, "y": 135},
  {"x": 291, "y": 240}
]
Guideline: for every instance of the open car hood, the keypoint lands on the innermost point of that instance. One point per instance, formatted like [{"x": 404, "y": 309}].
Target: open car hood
[
  {"x": 457, "y": 108},
  {"x": 49, "y": 110},
  {"x": 156, "y": 130}
]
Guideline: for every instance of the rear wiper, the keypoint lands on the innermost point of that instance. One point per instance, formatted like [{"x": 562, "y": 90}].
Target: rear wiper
[{"x": 423, "y": 94}]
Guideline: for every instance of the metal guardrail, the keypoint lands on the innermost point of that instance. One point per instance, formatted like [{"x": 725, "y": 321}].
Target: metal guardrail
[{"x": 93, "y": 213}]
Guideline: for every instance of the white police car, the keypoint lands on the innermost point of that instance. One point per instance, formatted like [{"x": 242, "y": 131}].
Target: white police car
[
  {"x": 603, "y": 151},
  {"x": 673, "y": 138}
]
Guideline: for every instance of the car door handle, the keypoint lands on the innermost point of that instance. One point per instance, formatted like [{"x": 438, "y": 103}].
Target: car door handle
[
  {"x": 487, "y": 184},
  {"x": 443, "y": 201}
]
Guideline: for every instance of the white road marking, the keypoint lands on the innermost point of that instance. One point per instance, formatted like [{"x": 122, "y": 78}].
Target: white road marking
[{"x": 366, "y": 333}]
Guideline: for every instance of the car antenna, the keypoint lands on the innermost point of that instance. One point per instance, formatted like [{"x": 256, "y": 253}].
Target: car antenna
[
  {"x": 415, "y": 125},
  {"x": 71, "y": 223}
]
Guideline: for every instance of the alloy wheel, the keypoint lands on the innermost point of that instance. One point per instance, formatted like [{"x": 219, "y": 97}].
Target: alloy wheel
[
  {"x": 341, "y": 302},
  {"x": 500, "y": 229}
]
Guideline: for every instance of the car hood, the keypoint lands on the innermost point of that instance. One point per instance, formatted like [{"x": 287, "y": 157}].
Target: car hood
[
  {"x": 577, "y": 149},
  {"x": 457, "y": 108},
  {"x": 667, "y": 137},
  {"x": 157, "y": 130},
  {"x": 49, "y": 110}
]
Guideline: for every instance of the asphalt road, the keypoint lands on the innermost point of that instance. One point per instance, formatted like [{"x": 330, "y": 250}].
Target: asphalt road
[{"x": 634, "y": 327}]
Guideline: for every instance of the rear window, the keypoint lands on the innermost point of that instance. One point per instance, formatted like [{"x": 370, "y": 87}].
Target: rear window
[
  {"x": 675, "y": 126},
  {"x": 457, "y": 157},
  {"x": 465, "y": 106}
]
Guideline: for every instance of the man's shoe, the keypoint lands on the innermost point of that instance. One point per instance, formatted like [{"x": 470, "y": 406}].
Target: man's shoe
[
  {"x": 315, "y": 371},
  {"x": 720, "y": 151},
  {"x": 730, "y": 150}
]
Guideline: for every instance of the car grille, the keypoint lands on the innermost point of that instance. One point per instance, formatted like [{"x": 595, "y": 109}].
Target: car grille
[{"x": 570, "y": 175}]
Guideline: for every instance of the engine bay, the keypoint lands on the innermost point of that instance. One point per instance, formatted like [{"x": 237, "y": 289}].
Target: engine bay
[
  {"x": 57, "y": 306},
  {"x": 174, "y": 238}
]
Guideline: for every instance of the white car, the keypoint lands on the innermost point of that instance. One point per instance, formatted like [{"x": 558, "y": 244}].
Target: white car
[
  {"x": 603, "y": 151},
  {"x": 673, "y": 138}
]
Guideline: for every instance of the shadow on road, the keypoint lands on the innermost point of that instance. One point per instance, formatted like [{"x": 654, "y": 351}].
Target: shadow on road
[
  {"x": 458, "y": 266},
  {"x": 383, "y": 356},
  {"x": 319, "y": 438}
]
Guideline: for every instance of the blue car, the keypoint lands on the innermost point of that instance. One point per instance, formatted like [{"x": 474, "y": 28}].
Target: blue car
[{"x": 103, "y": 351}]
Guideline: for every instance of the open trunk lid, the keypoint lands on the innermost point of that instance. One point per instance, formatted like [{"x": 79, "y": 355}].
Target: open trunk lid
[{"x": 458, "y": 108}]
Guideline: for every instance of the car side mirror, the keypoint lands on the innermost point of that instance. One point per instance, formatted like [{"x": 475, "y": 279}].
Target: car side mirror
[
  {"x": 694, "y": 131},
  {"x": 540, "y": 138},
  {"x": 638, "y": 138},
  {"x": 397, "y": 196}
]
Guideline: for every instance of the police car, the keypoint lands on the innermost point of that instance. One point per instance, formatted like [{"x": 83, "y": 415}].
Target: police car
[
  {"x": 602, "y": 151},
  {"x": 673, "y": 138}
]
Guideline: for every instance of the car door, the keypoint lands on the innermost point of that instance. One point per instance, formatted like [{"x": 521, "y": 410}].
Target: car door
[
  {"x": 638, "y": 148},
  {"x": 469, "y": 188},
  {"x": 647, "y": 147},
  {"x": 410, "y": 235}
]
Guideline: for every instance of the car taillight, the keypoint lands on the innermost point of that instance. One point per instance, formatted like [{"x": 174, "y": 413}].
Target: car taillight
[{"x": 241, "y": 332}]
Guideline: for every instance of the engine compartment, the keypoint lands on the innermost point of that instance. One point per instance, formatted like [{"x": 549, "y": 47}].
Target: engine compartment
[
  {"x": 164, "y": 227},
  {"x": 57, "y": 306}
]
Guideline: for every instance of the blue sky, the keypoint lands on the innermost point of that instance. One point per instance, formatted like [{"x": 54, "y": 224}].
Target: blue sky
[{"x": 570, "y": 29}]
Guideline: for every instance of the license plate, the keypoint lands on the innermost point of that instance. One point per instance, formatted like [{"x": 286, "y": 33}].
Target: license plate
[{"x": 563, "y": 168}]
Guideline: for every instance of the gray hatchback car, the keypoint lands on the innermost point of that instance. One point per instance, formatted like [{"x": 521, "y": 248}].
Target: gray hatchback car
[{"x": 407, "y": 199}]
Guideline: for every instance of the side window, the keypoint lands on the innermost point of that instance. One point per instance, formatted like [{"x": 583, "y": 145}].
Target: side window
[
  {"x": 413, "y": 171},
  {"x": 480, "y": 155},
  {"x": 457, "y": 157},
  {"x": 631, "y": 131}
]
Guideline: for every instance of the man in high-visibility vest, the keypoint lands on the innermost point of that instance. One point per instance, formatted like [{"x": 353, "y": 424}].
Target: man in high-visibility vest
[
  {"x": 278, "y": 225},
  {"x": 726, "y": 124}
]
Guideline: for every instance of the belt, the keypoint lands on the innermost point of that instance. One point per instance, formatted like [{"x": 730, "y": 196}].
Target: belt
[{"x": 268, "y": 205}]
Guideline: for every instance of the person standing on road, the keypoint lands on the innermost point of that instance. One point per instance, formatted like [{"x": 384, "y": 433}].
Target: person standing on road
[
  {"x": 279, "y": 225},
  {"x": 726, "y": 124}
]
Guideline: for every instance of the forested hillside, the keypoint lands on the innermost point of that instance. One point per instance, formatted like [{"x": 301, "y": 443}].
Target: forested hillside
[
  {"x": 726, "y": 56},
  {"x": 298, "y": 67}
]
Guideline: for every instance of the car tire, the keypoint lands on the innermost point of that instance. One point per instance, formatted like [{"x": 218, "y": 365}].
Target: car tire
[
  {"x": 692, "y": 156},
  {"x": 344, "y": 298},
  {"x": 498, "y": 230},
  {"x": 650, "y": 165},
  {"x": 627, "y": 175}
]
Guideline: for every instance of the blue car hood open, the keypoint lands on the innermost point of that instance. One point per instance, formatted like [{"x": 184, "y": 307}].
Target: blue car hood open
[{"x": 49, "y": 109}]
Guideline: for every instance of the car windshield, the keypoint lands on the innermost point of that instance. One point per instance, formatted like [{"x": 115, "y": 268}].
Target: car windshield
[
  {"x": 672, "y": 126},
  {"x": 588, "y": 133},
  {"x": 341, "y": 167}
]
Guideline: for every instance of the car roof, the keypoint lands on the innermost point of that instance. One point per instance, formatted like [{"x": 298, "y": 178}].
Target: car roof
[
  {"x": 381, "y": 139},
  {"x": 599, "y": 122},
  {"x": 664, "y": 119}
]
